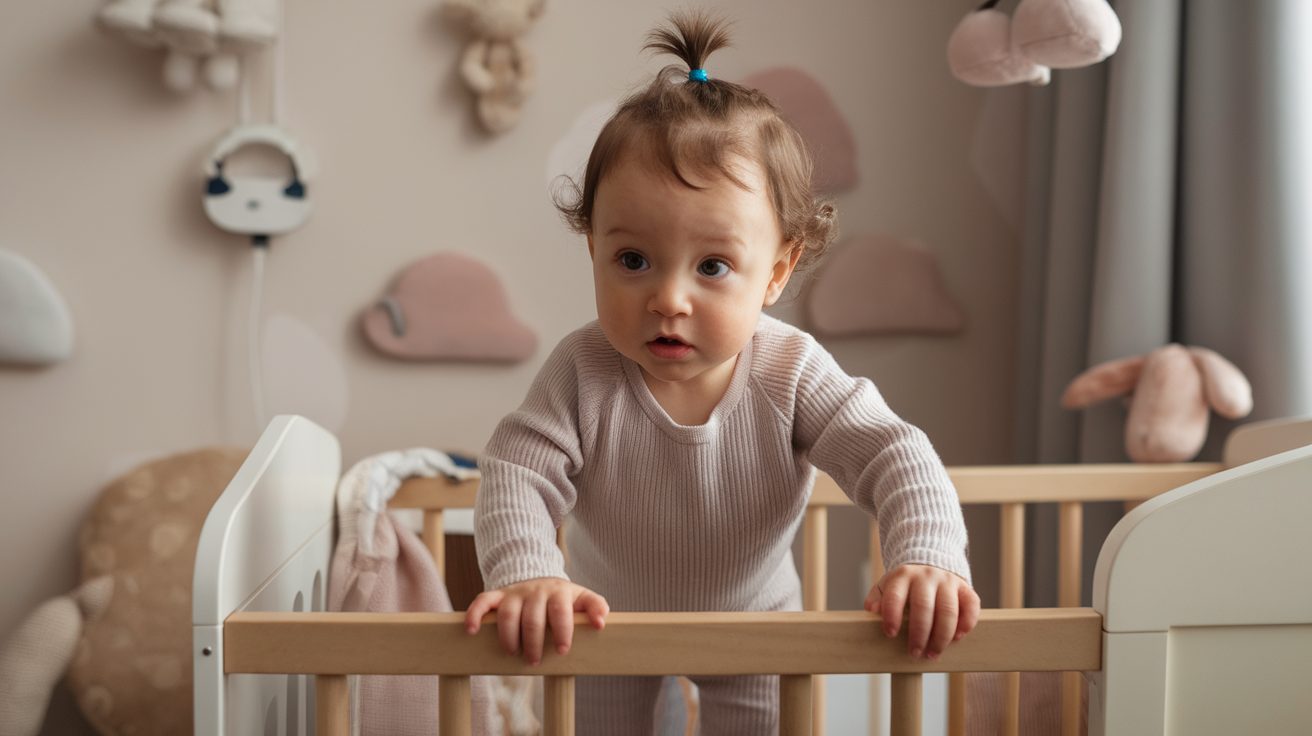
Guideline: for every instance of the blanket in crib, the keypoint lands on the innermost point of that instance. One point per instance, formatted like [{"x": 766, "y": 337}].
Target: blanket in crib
[{"x": 379, "y": 565}]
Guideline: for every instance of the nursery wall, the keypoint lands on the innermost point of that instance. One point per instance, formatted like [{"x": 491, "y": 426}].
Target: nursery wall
[{"x": 100, "y": 187}]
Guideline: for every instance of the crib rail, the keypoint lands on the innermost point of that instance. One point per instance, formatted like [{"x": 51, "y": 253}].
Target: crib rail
[
  {"x": 1009, "y": 487},
  {"x": 794, "y": 645}
]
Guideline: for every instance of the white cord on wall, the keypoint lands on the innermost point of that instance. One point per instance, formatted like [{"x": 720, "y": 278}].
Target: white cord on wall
[
  {"x": 260, "y": 243},
  {"x": 254, "y": 350},
  {"x": 275, "y": 108}
]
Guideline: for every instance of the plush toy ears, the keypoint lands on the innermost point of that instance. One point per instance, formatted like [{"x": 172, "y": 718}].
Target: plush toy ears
[
  {"x": 1103, "y": 381},
  {"x": 1224, "y": 385},
  {"x": 989, "y": 49},
  {"x": 982, "y": 52},
  {"x": 1065, "y": 34}
]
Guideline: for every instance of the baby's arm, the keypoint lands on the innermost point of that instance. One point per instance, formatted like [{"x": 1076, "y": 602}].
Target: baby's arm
[
  {"x": 525, "y": 494},
  {"x": 889, "y": 468}
]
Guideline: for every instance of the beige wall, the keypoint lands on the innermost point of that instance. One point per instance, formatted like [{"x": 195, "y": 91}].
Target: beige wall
[{"x": 99, "y": 186}]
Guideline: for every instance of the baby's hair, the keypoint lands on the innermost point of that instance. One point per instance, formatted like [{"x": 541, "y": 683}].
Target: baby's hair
[{"x": 685, "y": 118}]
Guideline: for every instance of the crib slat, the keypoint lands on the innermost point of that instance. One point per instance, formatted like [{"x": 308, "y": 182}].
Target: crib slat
[
  {"x": 332, "y": 706},
  {"x": 1013, "y": 596},
  {"x": 558, "y": 706},
  {"x": 957, "y": 704},
  {"x": 815, "y": 591},
  {"x": 453, "y": 706},
  {"x": 815, "y": 534},
  {"x": 435, "y": 539},
  {"x": 795, "y": 698},
  {"x": 906, "y": 704},
  {"x": 1070, "y": 538},
  {"x": 875, "y": 708},
  {"x": 876, "y": 553}
]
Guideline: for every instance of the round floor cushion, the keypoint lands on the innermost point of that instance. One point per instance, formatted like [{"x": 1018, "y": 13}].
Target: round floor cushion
[{"x": 131, "y": 673}]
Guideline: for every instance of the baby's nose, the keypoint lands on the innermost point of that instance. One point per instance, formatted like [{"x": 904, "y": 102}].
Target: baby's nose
[{"x": 670, "y": 299}]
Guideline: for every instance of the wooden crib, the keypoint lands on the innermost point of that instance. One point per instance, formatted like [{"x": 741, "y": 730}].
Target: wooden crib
[{"x": 263, "y": 556}]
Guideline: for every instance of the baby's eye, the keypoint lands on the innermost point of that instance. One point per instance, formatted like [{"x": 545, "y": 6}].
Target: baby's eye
[
  {"x": 631, "y": 261},
  {"x": 713, "y": 268}
]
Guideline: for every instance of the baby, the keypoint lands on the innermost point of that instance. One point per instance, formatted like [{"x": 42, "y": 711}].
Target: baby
[{"x": 682, "y": 428}]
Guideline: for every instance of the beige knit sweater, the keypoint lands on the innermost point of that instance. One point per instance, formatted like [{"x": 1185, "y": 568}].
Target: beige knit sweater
[{"x": 669, "y": 517}]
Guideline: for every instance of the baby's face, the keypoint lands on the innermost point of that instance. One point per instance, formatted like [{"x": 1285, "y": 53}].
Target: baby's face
[{"x": 681, "y": 274}]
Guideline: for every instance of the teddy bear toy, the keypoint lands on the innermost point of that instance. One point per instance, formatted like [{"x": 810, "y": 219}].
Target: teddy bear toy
[
  {"x": 1171, "y": 390},
  {"x": 989, "y": 49},
  {"x": 495, "y": 65},
  {"x": 198, "y": 35}
]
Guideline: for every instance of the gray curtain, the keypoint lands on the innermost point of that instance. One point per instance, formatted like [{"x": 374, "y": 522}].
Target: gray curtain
[{"x": 1169, "y": 199}]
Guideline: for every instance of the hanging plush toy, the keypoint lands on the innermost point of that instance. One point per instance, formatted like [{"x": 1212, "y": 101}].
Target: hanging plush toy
[
  {"x": 989, "y": 49},
  {"x": 1171, "y": 390},
  {"x": 495, "y": 65},
  {"x": 199, "y": 35}
]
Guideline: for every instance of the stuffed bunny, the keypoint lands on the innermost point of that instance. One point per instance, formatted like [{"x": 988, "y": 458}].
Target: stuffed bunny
[
  {"x": 1172, "y": 388},
  {"x": 988, "y": 49},
  {"x": 495, "y": 65}
]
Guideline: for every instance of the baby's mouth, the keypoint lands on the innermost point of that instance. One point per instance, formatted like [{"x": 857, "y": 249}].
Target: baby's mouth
[{"x": 669, "y": 348}]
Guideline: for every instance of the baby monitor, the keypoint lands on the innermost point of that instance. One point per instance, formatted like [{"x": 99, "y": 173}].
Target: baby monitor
[{"x": 257, "y": 205}]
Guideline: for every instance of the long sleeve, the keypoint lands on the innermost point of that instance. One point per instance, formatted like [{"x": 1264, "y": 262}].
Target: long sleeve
[
  {"x": 527, "y": 487},
  {"x": 885, "y": 465}
]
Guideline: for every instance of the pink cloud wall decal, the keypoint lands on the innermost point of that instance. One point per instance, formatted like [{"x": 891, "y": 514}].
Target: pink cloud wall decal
[
  {"x": 873, "y": 284},
  {"x": 805, "y": 103},
  {"x": 448, "y": 306}
]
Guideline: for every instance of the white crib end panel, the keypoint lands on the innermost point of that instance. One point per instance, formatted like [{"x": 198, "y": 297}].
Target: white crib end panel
[
  {"x": 1256, "y": 440},
  {"x": 1239, "y": 680},
  {"x": 1132, "y": 701},
  {"x": 1223, "y": 550},
  {"x": 281, "y": 497}
]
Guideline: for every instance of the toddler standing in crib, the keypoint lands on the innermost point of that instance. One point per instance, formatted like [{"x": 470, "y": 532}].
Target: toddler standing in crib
[{"x": 681, "y": 428}]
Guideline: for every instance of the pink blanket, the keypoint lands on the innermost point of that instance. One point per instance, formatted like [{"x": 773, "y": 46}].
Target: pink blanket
[{"x": 394, "y": 573}]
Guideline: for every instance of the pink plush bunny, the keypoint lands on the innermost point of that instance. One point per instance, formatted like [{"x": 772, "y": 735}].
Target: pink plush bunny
[
  {"x": 988, "y": 48},
  {"x": 1172, "y": 388}
]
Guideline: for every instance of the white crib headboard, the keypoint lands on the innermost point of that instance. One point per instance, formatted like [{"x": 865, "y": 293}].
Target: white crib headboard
[
  {"x": 1207, "y": 611},
  {"x": 1256, "y": 440},
  {"x": 265, "y": 546}
]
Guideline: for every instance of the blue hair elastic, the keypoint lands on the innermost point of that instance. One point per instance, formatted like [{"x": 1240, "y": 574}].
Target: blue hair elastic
[{"x": 699, "y": 75}]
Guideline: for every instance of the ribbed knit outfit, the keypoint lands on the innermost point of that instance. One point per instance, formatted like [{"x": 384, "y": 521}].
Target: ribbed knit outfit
[{"x": 669, "y": 517}]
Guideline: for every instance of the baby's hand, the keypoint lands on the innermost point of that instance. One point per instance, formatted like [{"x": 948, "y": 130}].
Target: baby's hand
[
  {"x": 944, "y": 607},
  {"x": 525, "y": 609}
]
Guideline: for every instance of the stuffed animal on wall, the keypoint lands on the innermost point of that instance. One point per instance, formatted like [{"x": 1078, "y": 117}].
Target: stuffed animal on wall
[
  {"x": 1171, "y": 390},
  {"x": 200, "y": 36},
  {"x": 989, "y": 49},
  {"x": 125, "y": 634},
  {"x": 495, "y": 65}
]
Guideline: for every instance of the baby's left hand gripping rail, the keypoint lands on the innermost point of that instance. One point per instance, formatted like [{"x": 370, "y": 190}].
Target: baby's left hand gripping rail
[{"x": 793, "y": 645}]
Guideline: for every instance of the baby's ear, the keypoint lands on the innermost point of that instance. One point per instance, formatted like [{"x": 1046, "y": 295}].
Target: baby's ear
[
  {"x": 1224, "y": 385},
  {"x": 1103, "y": 381},
  {"x": 783, "y": 270}
]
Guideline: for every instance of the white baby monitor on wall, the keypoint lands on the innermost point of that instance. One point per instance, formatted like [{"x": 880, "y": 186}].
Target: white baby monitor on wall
[{"x": 257, "y": 205}]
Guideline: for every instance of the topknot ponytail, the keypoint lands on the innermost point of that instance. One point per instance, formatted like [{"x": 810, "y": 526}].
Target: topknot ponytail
[{"x": 693, "y": 37}]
